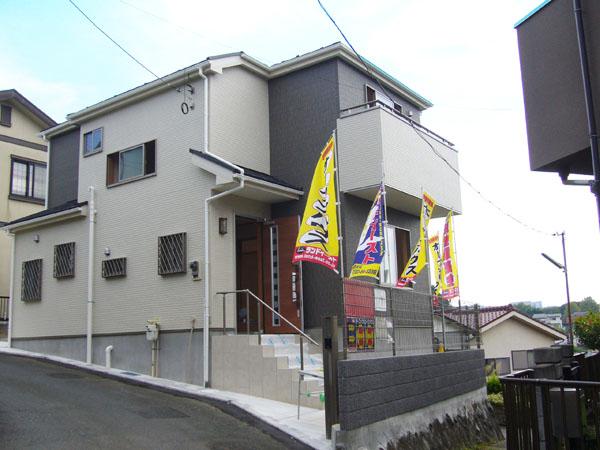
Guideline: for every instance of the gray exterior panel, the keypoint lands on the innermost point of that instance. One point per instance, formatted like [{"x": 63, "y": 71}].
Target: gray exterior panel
[
  {"x": 557, "y": 129},
  {"x": 63, "y": 169}
]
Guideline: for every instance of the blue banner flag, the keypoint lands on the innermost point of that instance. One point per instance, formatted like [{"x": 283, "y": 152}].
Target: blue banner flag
[{"x": 371, "y": 245}]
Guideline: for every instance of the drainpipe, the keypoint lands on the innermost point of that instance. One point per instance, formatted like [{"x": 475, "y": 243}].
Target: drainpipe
[
  {"x": 107, "y": 358},
  {"x": 207, "y": 201},
  {"x": 589, "y": 101},
  {"x": 90, "y": 294},
  {"x": 11, "y": 289}
]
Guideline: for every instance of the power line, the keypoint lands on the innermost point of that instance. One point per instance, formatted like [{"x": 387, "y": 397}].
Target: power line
[
  {"x": 438, "y": 154},
  {"x": 113, "y": 41}
]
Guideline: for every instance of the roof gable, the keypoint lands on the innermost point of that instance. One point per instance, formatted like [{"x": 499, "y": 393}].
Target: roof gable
[{"x": 15, "y": 98}]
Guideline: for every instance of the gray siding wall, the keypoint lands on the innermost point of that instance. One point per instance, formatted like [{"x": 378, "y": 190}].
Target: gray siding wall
[
  {"x": 353, "y": 90},
  {"x": 303, "y": 108},
  {"x": 376, "y": 389},
  {"x": 63, "y": 169}
]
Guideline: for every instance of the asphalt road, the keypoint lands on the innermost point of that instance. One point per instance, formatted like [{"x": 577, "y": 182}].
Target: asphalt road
[{"x": 45, "y": 406}]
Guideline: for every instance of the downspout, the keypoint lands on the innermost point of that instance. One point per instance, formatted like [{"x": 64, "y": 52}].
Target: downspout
[
  {"x": 589, "y": 101},
  {"x": 207, "y": 201},
  {"x": 11, "y": 289},
  {"x": 90, "y": 293}
]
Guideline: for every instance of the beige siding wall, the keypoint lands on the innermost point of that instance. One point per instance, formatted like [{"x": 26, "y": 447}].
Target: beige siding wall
[
  {"x": 132, "y": 216},
  {"x": 239, "y": 118},
  {"x": 22, "y": 128},
  {"x": 510, "y": 335},
  {"x": 62, "y": 308}
]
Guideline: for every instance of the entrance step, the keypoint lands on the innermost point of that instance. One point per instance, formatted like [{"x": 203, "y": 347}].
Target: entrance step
[{"x": 270, "y": 370}]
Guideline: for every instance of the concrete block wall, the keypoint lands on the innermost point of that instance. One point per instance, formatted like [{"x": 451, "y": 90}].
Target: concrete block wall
[{"x": 376, "y": 389}]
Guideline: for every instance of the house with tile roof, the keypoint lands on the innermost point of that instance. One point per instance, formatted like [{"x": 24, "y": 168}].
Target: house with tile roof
[{"x": 504, "y": 330}]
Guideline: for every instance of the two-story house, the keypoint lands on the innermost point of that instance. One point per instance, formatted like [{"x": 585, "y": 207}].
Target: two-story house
[
  {"x": 164, "y": 196},
  {"x": 22, "y": 173}
]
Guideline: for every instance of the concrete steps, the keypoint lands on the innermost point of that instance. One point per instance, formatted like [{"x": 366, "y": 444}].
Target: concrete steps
[{"x": 269, "y": 370}]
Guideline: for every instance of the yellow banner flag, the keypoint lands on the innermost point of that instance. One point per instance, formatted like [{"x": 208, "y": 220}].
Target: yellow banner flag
[
  {"x": 418, "y": 258},
  {"x": 449, "y": 268},
  {"x": 436, "y": 259},
  {"x": 317, "y": 240}
]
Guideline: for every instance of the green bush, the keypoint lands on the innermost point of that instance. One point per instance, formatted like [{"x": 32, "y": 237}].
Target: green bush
[
  {"x": 494, "y": 386},
  {"x": 587, "y": 329},
  {"x": 496, "y": 399}
]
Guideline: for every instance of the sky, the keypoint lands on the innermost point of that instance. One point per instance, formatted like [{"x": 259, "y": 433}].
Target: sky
[{"x": 461, "y": 54}]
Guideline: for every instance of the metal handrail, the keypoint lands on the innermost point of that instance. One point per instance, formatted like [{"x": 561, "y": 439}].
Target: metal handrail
[{"x": 249, "y": 292}]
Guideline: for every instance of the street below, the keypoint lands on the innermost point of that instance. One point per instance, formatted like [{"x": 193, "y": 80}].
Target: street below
[{"x": 48, "y": 406}]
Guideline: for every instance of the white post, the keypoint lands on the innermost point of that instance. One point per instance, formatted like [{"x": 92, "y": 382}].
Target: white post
[
  {"x": 90, "y": 293},
  {"x": 107, "y": 359}
]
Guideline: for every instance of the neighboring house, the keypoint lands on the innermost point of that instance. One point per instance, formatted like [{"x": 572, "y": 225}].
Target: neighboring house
[
  {"x": 504, "y": 330},
  {"x": 553, "y": 87},
  {"x": 198, "y": 186},
  {"x": 554, "y": 320},
  {"x": 22, "y": 171}
]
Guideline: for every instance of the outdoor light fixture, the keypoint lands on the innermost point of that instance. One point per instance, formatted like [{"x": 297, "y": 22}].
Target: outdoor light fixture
[
  {"x": 563, "y": 267},
  {"x": 222, "y": 225},
  {"x": 107, "y": 251},
  {"x": 36, "y": 238}
]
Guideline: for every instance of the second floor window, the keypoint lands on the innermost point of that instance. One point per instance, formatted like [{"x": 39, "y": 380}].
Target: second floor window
[
  {"x": 132, "y": 163},
  {"x": 28, "y": 180},
  {"x": 6, "y": 115},
  {"x": 92, "y": 142}
]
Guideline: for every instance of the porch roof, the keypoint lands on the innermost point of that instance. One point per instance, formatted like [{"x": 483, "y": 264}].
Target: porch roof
[{"x": 258, "y": 185}]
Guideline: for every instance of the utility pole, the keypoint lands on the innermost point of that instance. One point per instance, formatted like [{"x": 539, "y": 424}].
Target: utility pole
[{"x": 562, "y": 235}]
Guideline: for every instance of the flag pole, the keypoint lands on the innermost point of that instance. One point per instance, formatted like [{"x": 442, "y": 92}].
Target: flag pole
[
  {"x": 338, "y": 202},
  {"x": 426, "y": 249}
]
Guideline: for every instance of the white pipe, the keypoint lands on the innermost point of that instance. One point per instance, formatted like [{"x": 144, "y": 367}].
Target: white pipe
[
  {"x": 107, "y": 359},
  {"x": 47, "y": 176},
  {"x": 207, "y": 201},
  {"x": 11, "y": 289},
  {"x": 90, "y": 294}
]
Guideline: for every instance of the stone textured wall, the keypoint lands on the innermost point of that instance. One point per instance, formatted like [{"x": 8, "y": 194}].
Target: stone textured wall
[{"x": 377, "y": 389}]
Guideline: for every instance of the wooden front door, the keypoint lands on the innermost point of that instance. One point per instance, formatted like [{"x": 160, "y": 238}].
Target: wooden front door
[
  {"x": 249, "y": 272},
  {"x": 281, "y": 278}
]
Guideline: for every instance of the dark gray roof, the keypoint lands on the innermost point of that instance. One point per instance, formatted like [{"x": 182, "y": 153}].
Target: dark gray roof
[
  {"x": 13, "y": 95},
  {"x": 247, "y": 171},
  {"x": 64, "y": 207}
]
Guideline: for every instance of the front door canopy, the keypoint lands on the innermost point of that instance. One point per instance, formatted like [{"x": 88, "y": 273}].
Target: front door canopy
[{"x": 257, "y": 185}]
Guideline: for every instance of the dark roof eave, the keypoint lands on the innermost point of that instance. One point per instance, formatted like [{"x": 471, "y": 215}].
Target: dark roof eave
[
  {"x": 47, "y": 212},
  {"x": 15, "y": 96},
  {"x": 247, "y": 171}
]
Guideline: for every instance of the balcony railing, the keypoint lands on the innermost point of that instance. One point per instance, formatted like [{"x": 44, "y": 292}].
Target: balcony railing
[{"x": 378, "y": 143}]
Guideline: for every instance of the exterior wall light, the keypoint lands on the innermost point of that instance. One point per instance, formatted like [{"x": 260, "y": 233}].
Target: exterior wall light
[
  {"x": 222, "y": 225},
  {"x": 36, "y": 238},
  {"x": 107, "y": 251}
]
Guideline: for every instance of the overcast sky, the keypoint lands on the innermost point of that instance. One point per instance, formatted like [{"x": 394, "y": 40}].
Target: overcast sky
[{"x": 461, "y": 54}]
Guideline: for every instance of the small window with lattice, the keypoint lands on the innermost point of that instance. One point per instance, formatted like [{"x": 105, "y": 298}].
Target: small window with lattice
[
  {"x": 31, "y": 286},
  {"x": 64, "y": 260},
  {"x": 172, "y": 254},
  {"x": 114, "y": 268}
]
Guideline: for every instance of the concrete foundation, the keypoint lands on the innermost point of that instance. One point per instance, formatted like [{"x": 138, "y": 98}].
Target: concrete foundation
[
  {"x": 459, "y": 422},
  {"x": 179, "y": 358}
]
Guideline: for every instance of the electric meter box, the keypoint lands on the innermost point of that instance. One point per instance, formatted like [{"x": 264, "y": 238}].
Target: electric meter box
[{"x": 151, "y": 332}]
